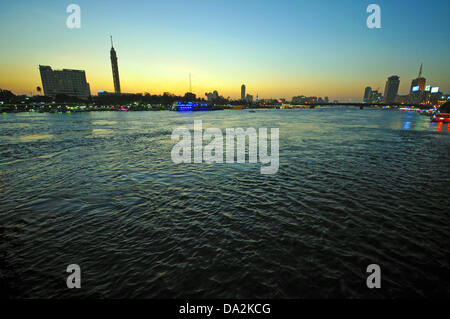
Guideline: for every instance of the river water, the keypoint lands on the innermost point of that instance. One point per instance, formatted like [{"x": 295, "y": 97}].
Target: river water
[{"x": 354, "y": 188}]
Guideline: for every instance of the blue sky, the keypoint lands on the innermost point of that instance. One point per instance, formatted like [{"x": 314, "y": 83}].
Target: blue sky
[{"x": 277, "y": 48}]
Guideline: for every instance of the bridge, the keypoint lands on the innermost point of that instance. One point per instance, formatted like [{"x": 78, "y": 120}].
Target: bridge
[{"x": 362, "y": 105}]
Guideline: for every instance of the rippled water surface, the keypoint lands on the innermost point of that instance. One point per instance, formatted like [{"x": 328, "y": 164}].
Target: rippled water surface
[{"x": 354, "y": 187}]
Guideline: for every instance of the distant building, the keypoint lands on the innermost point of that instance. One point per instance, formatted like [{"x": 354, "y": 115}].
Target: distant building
[
  {"x": 433, "y": 98},
  {"x": 402, "y": 99},
  {"x": 326, "y": 99},
  {"x": 106, "y": 93},
  {"x": 445, "y": 97},
  {"x": 375, "y": 97},
  {"x": 190, "y": 97},
  {"x": 367, "y": 94},
  {"x": 269, "y": 101},
  {"x": 243, "y": 92},
  {"x": 418, "y": 84},
  {"x": 214, "y": 96},
  {"x": 5, "y": 96},
  {"x": 391, "y": 89},
  {"x": 115, "y": 69},
  {"x": 417, "y": 92},
  {"x": 301, "y": 99},
  {"x": 66, "y": 81},
  {"x": 249, "y": 98}
]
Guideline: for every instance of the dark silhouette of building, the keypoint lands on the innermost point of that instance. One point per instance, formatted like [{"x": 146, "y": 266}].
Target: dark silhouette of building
[
  {"x": 375, "y": 97},
  {"x": 243, "y": 92},
  {"x": 64, "y": 82},
  {"x": 6, "y": 95},
  {"x": 445, "y": 108},
  {"x": 115, "y": 69},
  {"x": 391, "y": 89},
  {"x": 367, "y": 94}
]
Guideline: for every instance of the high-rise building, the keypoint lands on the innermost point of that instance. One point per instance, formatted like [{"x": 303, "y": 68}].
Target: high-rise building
[
  {"x": 115, "y": 69},
  {"x": 375, "y": 97},
  {"x": 243, "y": 92},
  {"x": 418, "y": 84},
  {"x": 66, "y": 81},
  {"x": 391, "y": 89},
  {"x": 367, "y": 94},
  {"x": 417, "y": 92}
]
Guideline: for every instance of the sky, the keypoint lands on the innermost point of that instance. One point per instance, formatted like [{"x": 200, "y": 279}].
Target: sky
[{"x": 278, "y": 49}]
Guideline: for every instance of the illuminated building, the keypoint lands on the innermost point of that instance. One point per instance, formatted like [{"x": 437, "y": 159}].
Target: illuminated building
[
  {"x": 115, "y": 69},
  {"x": 432, "y": 96},
  {"x": 391, "y": 89},
  {"x": 418, "y": 90},
  {"x": 66, "y": 81},
  {"x": 418, "y": 82}
]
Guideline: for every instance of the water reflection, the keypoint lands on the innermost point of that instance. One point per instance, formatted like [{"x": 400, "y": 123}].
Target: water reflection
[
  {"x": 406, "y": 125},
  {"x": 34, "y": 137},
  {"x": 417, "y": 122},
  {"x": 354, "y": 187},
  {"x": 102, "y": 132}
]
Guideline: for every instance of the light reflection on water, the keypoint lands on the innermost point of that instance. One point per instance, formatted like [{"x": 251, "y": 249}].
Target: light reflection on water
[{"x": 354, "y": 187}]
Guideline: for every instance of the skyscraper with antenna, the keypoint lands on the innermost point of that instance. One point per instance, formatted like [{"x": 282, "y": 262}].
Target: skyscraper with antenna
[
  {"x": 115, "y": 69},
  {"x": 419, "y": 82}
]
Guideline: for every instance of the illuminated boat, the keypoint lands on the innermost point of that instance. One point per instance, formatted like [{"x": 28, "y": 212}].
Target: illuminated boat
[
  {"x": 441, "y": 117},
  {"x": 189, "y": 107},
  {"x": 194, "y": 107}
]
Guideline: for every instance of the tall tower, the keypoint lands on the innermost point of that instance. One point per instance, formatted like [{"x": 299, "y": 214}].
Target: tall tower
[
  {"x": 115, "y": 69},
  {"x": 243, "y": 92},
  {"x": 190, "y": 83}
]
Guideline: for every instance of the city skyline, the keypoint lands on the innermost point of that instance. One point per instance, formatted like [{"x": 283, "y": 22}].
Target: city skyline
[{"x": 158, "y": 58}]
